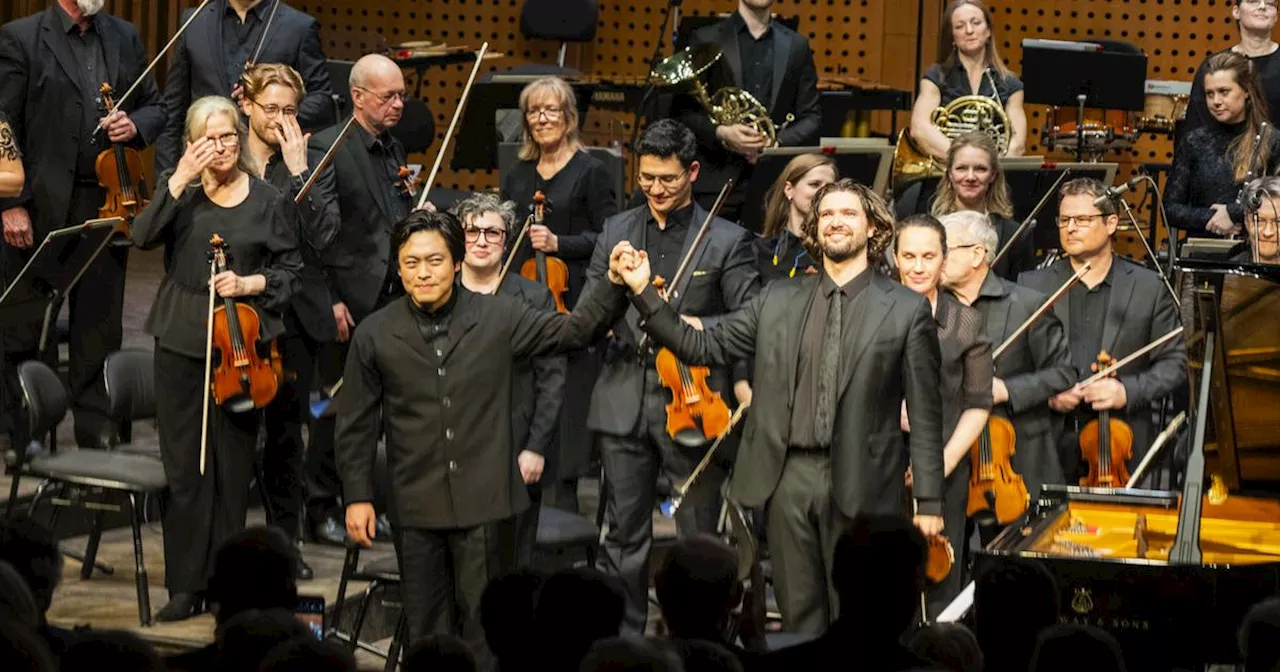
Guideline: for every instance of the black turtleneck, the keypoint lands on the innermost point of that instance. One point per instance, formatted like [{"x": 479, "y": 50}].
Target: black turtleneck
[{"x": 1203, "y": 175}]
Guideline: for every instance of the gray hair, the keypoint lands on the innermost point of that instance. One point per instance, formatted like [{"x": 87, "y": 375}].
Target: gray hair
[
  {"x": 1254, "y": 192},
  {"x": 967, "y": 227},
  {"x": 479, "y": 203}
]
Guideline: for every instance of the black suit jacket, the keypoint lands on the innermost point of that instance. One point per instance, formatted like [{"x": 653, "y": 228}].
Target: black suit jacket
[
  {"x": 197, "y": 68},
  {"x": 894, "y": 356},
  {"x": 318, "y": 223},
  {"x": 40, "y": 91},
  {"x": 722, "y": 277},
  {"x": 795, "y": 91},
  {"x": 1140, "y": 311},
  {"x": 537, "y": 389}
]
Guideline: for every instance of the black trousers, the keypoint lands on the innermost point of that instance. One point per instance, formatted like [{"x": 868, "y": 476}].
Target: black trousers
[
  {"x": 526, "y": 527},
  {"x": 804, "y": 524},
  {"x": 444, "y": 572},
  {"x": 323, "y": 484},
  {"x": 631, "y": 466},
  {"x": 202, "y": 510},
  {"x": 283, "y": 420}
]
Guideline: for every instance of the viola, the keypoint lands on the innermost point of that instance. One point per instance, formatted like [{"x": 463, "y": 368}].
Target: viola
[
  {"x": 545, "y": 270},
  {"x": 243, "y": 379},
  {"x": 696, "y": 412},
  {"x": 1106, "y": 444},
  {"x": 119, "y": 171},
  {"x": 994, "y": 487}
]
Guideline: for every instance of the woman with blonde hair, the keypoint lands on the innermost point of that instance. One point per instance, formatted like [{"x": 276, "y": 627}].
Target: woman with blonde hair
[
  {"x": 209, "y": 192},
  {"x": 780, "y": 250}
]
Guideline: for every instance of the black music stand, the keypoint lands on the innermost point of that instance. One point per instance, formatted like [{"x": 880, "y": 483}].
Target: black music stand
[{"x": 477, "y": 144}]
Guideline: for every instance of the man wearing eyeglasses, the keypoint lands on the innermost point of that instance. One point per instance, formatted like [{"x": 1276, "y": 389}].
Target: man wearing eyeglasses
[
  {"x": 210, "y": 58},
  {"x": 628, "y": 405},
  {"x": 358, "y": 265},
  {"x": 1117, "y": 306}
]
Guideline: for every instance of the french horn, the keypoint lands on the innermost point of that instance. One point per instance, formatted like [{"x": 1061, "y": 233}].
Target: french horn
[
  {"x": 965, "y": 114},
  {"x": 727, "y": 106}
]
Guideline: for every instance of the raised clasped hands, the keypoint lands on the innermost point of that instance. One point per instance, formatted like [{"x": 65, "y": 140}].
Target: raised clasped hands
[{"x": 629, "y": 266}]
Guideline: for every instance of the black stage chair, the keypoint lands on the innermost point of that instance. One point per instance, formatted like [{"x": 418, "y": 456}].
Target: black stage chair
[
  {"x": 560, "y": 20},
  {"x": 131, "y": 396},
  {"x": 381, "y": 575}
]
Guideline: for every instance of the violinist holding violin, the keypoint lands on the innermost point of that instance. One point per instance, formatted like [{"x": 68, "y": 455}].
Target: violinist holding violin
[
  {"x": 210, "y": 193},
  {"x": 52, "y": 66}
]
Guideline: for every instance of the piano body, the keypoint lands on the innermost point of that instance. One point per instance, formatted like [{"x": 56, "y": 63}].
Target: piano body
[{"x": 1171, "y": 574}]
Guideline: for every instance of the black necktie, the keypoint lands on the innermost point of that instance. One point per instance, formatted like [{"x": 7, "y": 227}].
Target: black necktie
[{"x": 824, "y": 415}]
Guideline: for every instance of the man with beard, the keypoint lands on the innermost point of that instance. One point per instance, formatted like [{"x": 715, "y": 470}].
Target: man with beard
[
  {"x": 52, "y": 65},
  {"x": 276, "y": 152},
  {"x": 838, "y": 352}
]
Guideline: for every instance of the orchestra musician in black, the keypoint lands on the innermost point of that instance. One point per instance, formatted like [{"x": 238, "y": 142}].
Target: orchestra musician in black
[
  {"x": 1256, "y": 20},
  {"x": 12, "y": 179},
  {"x": 52, "y": 65},
  {"x": 276, "y": 152},
  {"x": 211, "y": 55},
  {"x": 1117, "y": 306},
  {"x": 780, "y": 249},
  {"x": 208, "y": 193},
  {"x": 359, "y": 266},
  {"x": 836, "y": 353},
  {"x": 775, "y": 65},
  {"x": 1261, "y": 222}
]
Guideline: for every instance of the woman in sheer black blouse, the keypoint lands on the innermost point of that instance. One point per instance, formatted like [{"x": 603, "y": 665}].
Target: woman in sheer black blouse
[
  {"x": 208, "y": 192},
  {"x": 12, "y": 176},
  {"x": 920, "y": 246}
]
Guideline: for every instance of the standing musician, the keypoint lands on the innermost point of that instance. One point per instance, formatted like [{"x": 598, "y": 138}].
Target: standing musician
[
  {"x": 537, "y": 386},
  {"x": 628, "y": 406},
  {"x": 835, "y": 353},
  {"x": 210, "y": 58},
  {"x": 775, "y": 65},
  {"x": 780, "y": 250},
  {"x": 209, "y": 192},
  {"x": 920, "y": 249},
  {"x": 359, "y": 265},
  {"x": 1033, "y": 368},
  {"x": 52, "y": 65},
  {"x": 580, "y": 197},
  {"x": 276, "y": 152},
  {"x": 1262, "y": 222},
  {"x": 433, "y": 369},
  {"x": 1211, "y": 162},
  {"x": 975, "y": 181},
  {"x": 1118, "y": 306},
  {"x": 12, "y": 179},
  {"x": 1256, "y": 20}
]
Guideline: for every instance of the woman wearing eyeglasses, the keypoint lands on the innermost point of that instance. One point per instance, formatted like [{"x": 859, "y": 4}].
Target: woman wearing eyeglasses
[
  {"x": 1256, "y": 19},
  {"x": 780, "y": 250},
  {"x": 580, "y": 195},
  {"x": 209, "y": 192}
]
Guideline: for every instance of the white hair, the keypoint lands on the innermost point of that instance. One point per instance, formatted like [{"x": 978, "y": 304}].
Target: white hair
[
  {"x": 90, "y": 7},
  {"x": 966, "y": 227}
]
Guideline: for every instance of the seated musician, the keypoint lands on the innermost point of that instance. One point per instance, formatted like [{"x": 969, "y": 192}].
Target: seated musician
[
  {"x": 920, "y": 249},
  {"x": 780, "y": 249},
  {"x": 756, "y": 49},
  {"x": 975, "y": 181},
  {"x": 1118, "y": 307},
  {"x": 1256, "y": 20},
  {"x": 12, "y": 176},
  {"x": 208, "y": 193},
  {"x": 1211, "y": 162},
  {"x": 1262, "y": 222},
  {"x": 580, "y": 195},
  {"x": 1033, "y": 368}
]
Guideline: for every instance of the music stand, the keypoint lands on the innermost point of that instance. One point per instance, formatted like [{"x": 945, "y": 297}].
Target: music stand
[
  {"x": 866, "y": 160},
  {"x": 1028, "y": 180},
  {"x": 477, "y": 144},
  {"x": 52, "y": 271}
]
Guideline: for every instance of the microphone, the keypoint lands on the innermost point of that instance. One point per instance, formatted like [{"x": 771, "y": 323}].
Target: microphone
[{"x": 1117, "y": 192}]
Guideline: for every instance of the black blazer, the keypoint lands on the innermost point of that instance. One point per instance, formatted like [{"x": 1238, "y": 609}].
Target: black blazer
[
  {"x": 795, "y": 91},
  {"x": 722, "y": 278},
  {"x": 40, "y": 91},
  {"x": 537, "y": 389},
  {"x": 1140, "y": 311},
  {"x": 894, "y": 356},
  {"x": 318, "y": 223},
  {"x": 197, "y": 68}
]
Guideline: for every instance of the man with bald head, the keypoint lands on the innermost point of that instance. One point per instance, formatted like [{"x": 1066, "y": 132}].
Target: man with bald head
[{"x": 358, "y": 264}]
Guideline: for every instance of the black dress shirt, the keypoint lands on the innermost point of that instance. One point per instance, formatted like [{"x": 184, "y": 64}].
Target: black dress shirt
[
  {"x": 87, "y": 49},
  {"x": 240, "y": 38},
  {"x": 1088, "y": 315},
  {"x": 809, "y": 369},
  {"x": 664, "y": 245},
  {"x": 757, "y": 60},
  {"x": 953, "y": 82}
]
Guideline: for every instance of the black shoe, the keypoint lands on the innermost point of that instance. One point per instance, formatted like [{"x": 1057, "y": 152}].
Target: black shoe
[
  {"x": 181, "y": 606},
  {"x": 382, "y": 527},
  {"x": 305, "y": 573},
  {"x": 330, "y": 531}
]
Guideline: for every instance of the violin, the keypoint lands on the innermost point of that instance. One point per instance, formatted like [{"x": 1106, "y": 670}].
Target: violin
[
  {"x": 994, "y": 487},
  {"x": 404, "y": 175},
  {"x": 939, "y": 558},
  {"x": 1106, "y": 443},
  {"x": 696, "y": 412},
  {"x": 119, "y": 171},
  {"x": 242, "y": 378},
  {"x": 544, "y": 270}
]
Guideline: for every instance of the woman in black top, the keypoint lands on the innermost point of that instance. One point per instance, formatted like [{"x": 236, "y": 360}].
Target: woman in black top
[
  {"x": 209, "y": 192},
  {"x": 1256, "y": 19},
  {"x": 12, "y": 176},
  {"x": 780, "y": 250},
  {"x": 1212, "y": 161},
  {"x": 920, "y": 247},
  {"x": 580, "y": 195}
]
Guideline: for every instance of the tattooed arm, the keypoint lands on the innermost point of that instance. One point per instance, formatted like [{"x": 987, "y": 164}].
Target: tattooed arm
[{"x": 11, "y": 175}]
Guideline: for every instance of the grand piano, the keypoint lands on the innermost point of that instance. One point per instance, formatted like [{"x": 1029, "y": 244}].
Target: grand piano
[{"x": 1172, "y": 573}]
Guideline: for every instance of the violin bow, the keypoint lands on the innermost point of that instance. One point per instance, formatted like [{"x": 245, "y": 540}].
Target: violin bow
[
  {"x": 151, "y": 66},
  {"x": 683, "y": 488},
  {"x": 457, "y": 114},
  {"x": 1022, "y": 228},
  {"x": 208, "y": 371},
  {"x": 1041, "y": 310},
  {"x": 1140, "y": 352},
  {"x": 511, "y": 256},
  {"x": 262, "y": 39},
  {"x": 325, "y": 160}
]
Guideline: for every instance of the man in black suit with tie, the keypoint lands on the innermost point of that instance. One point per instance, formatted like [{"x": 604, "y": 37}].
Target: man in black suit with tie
[
  {"x": 52, "y": 65},
  {"x": 628, "y": 404},
  {"x": 359, "y": 265},
  {"x": 1117, "y": 306},
  {"x": 210, "y": 57},
  {"x": 775, "y": 65},
  {"x": 836, "y": 353}
]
